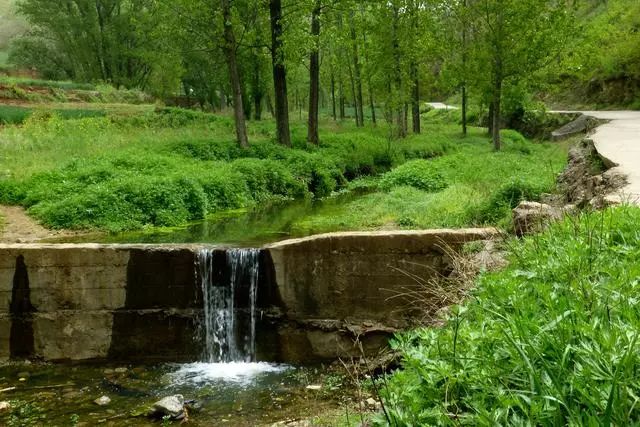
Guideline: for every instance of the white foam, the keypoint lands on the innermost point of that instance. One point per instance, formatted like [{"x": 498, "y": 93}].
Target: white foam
[{"x": 202, "y": 373}]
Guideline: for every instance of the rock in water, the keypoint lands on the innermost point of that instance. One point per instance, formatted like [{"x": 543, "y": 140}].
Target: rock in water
[
  {"x": 102, "y": 401},
  {"x": 170, "y": 405}
]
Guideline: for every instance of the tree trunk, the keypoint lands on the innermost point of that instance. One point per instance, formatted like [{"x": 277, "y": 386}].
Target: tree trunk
[
  {"x": 257, "y": 99},
  {"x": 372, "y": 105},
  {"x": 415, "y": 99},
  {"x": 353, "y": 92},
  {"x": 358, "y": 75},
  {"x": 342, "y": 98},
  {"x": 399, "y": 103},
  {"x": 464, "y": 72},
  {"x": 497, "y": 116},
  {"x": 314, "y": 76},
  {"x": 464, "y": 109},
  {"x": 270, "y": 105},
  {"x": 234, "y": 76},
  {"x": 279, "y": 75},
  {"x": 333, "y": 97}
]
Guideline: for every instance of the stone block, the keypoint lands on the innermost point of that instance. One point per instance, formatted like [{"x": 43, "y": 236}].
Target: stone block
[{"x": 72, "y": 335}]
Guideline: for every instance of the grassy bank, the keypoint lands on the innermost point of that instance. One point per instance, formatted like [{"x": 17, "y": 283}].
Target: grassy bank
[
  {"x": 46, "y": 91},
  {"x": 476, "y": 186},
  {"x": 551, "y": 340},
  {"x": 168, "y": 167}
]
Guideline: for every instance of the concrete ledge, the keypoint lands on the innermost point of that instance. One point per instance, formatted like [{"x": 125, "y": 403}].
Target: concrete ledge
[{"x": 144, "y": 302}]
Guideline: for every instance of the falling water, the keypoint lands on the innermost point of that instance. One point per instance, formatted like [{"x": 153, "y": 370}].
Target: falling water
[{"x": 229, "y": 287}]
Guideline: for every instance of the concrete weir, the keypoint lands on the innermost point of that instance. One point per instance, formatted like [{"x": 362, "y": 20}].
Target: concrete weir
[{"x": 144, "y": 302}]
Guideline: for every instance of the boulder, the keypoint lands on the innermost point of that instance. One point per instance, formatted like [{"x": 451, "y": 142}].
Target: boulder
[
  {"x": 531, "y": 217},
  {"x": 172, "y": 406},
  {"x": 102, "y": 401}
]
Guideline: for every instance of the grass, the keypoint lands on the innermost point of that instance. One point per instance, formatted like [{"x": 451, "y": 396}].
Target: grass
[
  {"x": 65, "y": 85},
  {"x": 550, "y": 340},
  {"x": 47, "y": 91},
  {"x": 483, "y": 187},
  {"x": 170, "y": 166},
  {"x": 15, "y": 115}
]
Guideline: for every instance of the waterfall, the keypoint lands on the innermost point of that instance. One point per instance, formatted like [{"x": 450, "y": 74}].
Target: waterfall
[{"x": 229, "y": 288}]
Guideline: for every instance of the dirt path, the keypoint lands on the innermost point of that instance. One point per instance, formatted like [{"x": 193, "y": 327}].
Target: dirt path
[
  {"x": 17, "y": 227},
  {"x": 618, "y": 142}
]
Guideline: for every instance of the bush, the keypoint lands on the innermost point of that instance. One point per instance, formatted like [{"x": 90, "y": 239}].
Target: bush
[
  {"x": 267, "y": 178},
  {"x": 508, "y": 196},
  {"x": 550, "y": 340},
  {"x": 419, "y": 174}
]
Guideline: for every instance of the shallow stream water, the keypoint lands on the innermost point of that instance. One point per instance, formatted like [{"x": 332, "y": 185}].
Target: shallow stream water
[{"x": 235, "y": 394}]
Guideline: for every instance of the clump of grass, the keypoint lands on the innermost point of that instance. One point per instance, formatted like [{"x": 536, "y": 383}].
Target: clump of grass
[
  {"x": 550, "y": 340},
  {"x": 419, "y": 174}
]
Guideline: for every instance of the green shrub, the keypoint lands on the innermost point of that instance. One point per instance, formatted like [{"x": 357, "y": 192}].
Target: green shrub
[
  {"x": 266, "y": 178},
  {"x": 550, "y": 340},
  {"x": 506, "y": 198},
  {"x": 11, "y": 115},
  {"x": 419, "y": 174}
]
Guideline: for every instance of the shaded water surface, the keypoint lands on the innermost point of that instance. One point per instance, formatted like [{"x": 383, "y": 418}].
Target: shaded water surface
[{"x": 254, "y": 228}]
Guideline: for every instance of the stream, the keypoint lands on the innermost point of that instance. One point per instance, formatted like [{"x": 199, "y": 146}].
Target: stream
[{"x": 257, "y": 227}]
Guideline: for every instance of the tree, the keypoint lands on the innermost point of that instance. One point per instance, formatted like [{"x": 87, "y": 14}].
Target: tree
[
  {"x": 229, "y": 48},
  {"x": 314, "y": 75},
  {"x": 279, "y": 74},
  {"x": 516, "y": 38},
  {"x": 97, "y": 40}
]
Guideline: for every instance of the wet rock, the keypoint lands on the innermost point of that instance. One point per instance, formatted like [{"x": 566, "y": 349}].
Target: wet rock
[
  {"x": 120, "y": 370},
  {"x": 314, "y": 387},
  {"x": 108, "y": 371},
  {"x": 192, "y": 405},
  {"x": 102, "y": 401},
  {"x": 172, "y": 406},
  {"x": 5, "y": 406}
]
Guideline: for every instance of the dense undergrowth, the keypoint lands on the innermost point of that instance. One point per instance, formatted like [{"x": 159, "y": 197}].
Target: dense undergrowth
[
  {"x": 550, "y": 340},
  {"x": 168, "y": 167}
]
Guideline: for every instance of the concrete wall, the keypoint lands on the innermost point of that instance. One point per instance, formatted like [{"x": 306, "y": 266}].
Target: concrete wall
[
  {"x": 143, "y": 302},
  {"x": 337, "y": 288}
]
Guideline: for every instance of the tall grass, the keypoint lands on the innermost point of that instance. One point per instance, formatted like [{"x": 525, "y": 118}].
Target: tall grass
[
  {"x": 172, "y": 166},
  {"x": 65, "y": 85},
  {"x": 551, "y": 340},
  {"x": 477, "y": 186}
]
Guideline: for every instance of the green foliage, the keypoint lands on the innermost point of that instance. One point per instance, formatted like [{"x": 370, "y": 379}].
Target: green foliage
[
  {"x": 508, "y": 196},
  {"x": 419, "y": 174},
  {"x": 171, "y": 166},
  {"x": 11, "y": 115},
  {"x": 482, "y": 187},
  {"x": 550, "y": 340},
  {"x": 25, "y": 414},
  {"x": 51, "y": 84}
]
